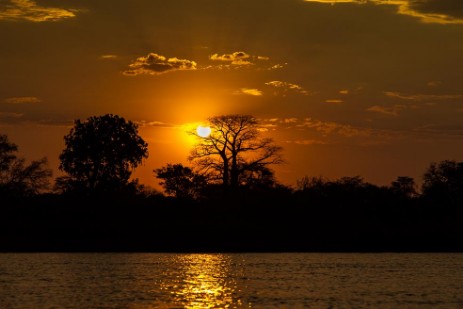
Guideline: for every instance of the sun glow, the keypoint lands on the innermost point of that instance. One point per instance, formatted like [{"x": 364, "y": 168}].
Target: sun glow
[{"x": 203, "y": 131}]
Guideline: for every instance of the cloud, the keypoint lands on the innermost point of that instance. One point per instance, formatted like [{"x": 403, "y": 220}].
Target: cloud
[
  {"x": 428, "y": 11},
  {"x": 451, "y": 11},
  {"x": 331, "y": 132},
  {"x": 236, "y": 58},
  {"x": 307, "y": 142},
  {"x": 249, "y": 91},
  {"x": 11, "y": 118},
  {"x": 328, "y": 128},
  {"x": 16, "y": 10},
  {"x": 20, "y": 118},
  {"x": 154, "y": 64},
  {"x": 285, "y": 87},
  {"x": 434, "y": 83},
  {"x": 240, "y": 59},
  {"x": 277, "y": 66},
  {"x": 22, "y": 100},
  {"x": 423, "y": 97},
  {"x": 334, "y": 101},
  {"x": 319, "y": 132},
  {"x": 391, "y": 111},
  {"x": 325, "y": 128},
  {"x": 289, "y": 120},
  {"x": 108, "y": 57},
  {"x": 440, "y": 130},
  {"x": 333, "y": 2},
  {"x": 151, "y": 123},
  {"x": 4, "y": 115}
]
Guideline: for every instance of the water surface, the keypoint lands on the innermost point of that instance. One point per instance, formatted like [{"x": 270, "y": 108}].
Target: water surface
[{"x": 261, "y": 280}]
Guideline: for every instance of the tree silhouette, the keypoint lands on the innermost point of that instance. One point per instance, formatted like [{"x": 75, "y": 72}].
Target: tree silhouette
[
  {"x": 180, "y": 181},
  {"x": 443, "y": 181},
  {"x": 404, "y": 186},
  {"x": 307, "y": 183},
  {"x": 7, "y": 153},
  {"x": 233, "y": 147},
  {"x": 17, "y": 177},
  {"x": 256, "y": 176},
  {"x": 101, "y": 153}
]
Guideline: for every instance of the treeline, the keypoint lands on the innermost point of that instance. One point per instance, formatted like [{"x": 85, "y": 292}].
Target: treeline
[{"x": 226, "y": 200}]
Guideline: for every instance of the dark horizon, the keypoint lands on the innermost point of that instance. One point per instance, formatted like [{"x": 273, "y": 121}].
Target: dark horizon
[{"x": 229, "y": 194}]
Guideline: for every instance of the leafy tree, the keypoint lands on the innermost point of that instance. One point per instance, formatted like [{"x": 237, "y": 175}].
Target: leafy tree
[
  {"x": 350, "y": 188},
  {"x": 7, "y": 153},
  {"x": 404, "y": 186},
  {"x": 68, "y": 184},
  {"x": 307, "y": 183},
  {"x": 233, "y": 148},
  {"x": 180, "y": 181},
  {"x": 17, "y": 177},
  {"x": 101, "y": 153},
  {"x": 443, "y": 181},
  {"x": 257, "y": 176}
]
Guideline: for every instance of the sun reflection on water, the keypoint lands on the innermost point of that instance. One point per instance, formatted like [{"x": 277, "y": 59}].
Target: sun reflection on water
[{"x": 205, "y": 282}]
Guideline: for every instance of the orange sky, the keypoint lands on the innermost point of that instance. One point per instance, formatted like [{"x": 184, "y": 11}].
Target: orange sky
[{"x": 370, "y": 88}]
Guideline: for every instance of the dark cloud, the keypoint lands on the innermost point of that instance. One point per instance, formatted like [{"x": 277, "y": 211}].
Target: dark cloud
[
  {"x": 428, "y": 11},
  {"x": 424, "y": 97},
  {"x": 387, "y": 110},
  {"x": 450, "y": 8},
  {"x": 22, "y": 100},
  {"x": 10, "y": 115}
]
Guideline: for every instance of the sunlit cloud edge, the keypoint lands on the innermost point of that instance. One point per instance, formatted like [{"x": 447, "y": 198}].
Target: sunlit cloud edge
[
  {"x": 28, "y": 10},
  {"x": 403, "y": 8}
]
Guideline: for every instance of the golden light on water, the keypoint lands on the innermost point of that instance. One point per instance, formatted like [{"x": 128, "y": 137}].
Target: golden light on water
[{"x": 205, "y": 282}]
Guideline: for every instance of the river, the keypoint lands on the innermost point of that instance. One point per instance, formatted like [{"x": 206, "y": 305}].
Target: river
[{"x": 222, "y": 280}]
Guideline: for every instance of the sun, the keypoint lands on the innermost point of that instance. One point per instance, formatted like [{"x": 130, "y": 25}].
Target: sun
[{"x": 203, "y": 131}]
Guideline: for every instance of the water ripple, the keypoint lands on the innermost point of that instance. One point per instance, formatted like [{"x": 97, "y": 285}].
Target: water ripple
[{"x": 285, "y": 280}]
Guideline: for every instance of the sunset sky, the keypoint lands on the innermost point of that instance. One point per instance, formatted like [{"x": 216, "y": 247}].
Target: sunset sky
[{"x": 351, "y": 87}]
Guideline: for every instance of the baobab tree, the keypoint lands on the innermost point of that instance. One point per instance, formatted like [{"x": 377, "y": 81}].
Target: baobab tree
[{"x": 233, "y": 149}]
